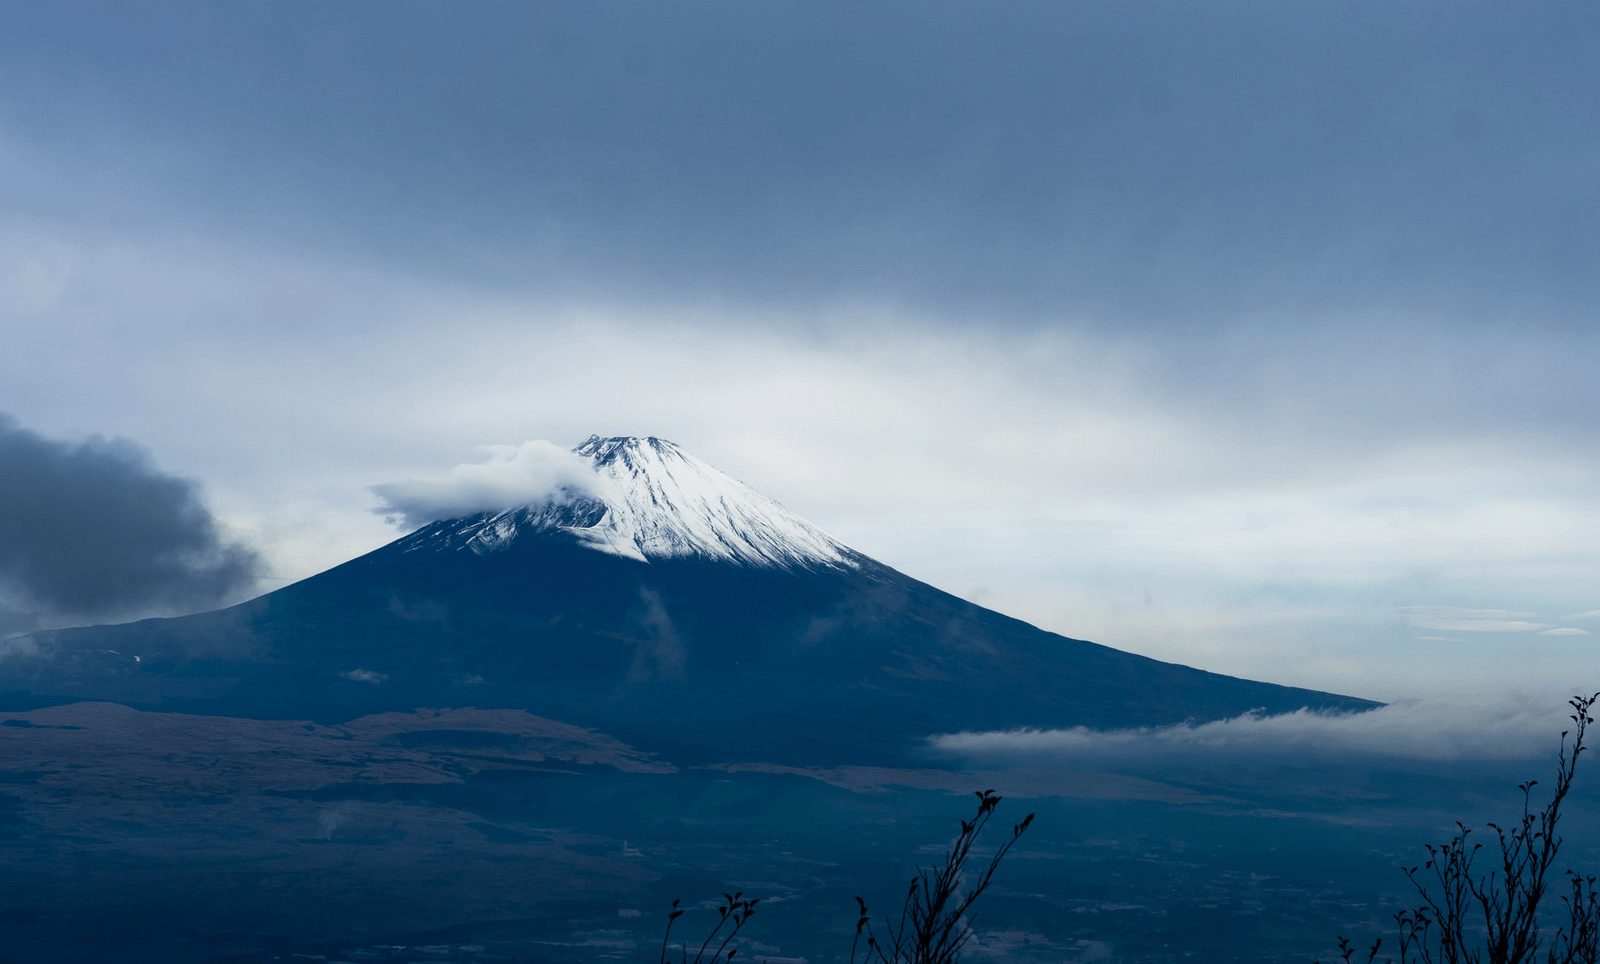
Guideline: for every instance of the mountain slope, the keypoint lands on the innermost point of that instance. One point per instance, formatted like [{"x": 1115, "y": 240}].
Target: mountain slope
[{"x": 670, "y": 606}]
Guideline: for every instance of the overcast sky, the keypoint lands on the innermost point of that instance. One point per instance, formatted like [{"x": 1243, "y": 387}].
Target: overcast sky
[{"x": 1253, "y": 336}]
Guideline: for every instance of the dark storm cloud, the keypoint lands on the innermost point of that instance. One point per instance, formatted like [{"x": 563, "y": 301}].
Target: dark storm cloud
[
  {"x": 94, "y": 529},
  {"x": 1155, "y": 163}
]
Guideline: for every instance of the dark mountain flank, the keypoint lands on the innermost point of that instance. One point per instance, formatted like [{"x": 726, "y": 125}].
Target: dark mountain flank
[{"x": 667, "y": 604}]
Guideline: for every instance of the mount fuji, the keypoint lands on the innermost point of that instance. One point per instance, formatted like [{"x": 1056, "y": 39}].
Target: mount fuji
[{"x": 660, "y": 601}]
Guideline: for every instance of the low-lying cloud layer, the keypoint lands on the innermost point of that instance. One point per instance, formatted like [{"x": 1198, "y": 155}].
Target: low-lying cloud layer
[
  {"x": 94, "y": 530},
  {"x": 1508, "y": 727},
  {"x": 535, "y": 471}
]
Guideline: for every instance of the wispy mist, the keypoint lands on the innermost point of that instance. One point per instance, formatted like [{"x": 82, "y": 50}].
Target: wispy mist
[
  {"x": 1507, "y": 727},
  {"x": 535, "y": 471}
]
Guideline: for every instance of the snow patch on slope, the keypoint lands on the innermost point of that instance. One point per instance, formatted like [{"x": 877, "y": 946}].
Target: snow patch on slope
[
  {"x": 652, "y": 500},
  {"x": 664, "y": 503}
]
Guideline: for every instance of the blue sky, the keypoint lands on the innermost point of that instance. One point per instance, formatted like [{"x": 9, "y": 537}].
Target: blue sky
[{"x": 1255, "y": 337}]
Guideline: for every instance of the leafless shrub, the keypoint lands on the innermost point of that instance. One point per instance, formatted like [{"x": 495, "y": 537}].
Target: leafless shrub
[
  {"x": 1474, "y": 916},
  {"x": 934, "y": 920},
  {"x": 735, "y": 910}
]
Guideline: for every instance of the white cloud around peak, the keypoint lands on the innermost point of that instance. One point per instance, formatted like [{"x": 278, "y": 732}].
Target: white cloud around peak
[{"x": 512, "y": 475}]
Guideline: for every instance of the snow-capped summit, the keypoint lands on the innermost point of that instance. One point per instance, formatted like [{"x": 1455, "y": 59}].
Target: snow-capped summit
[{"x": 652, "y": 500}]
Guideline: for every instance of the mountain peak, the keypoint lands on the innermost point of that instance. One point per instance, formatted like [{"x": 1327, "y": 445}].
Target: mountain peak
[
  {"x": 652, "y": 500},
  {"x": 626, "y": 446}
]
